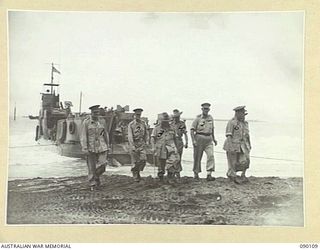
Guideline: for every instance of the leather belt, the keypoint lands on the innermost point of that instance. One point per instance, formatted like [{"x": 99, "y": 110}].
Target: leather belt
[{"x": 206, "y": 134}]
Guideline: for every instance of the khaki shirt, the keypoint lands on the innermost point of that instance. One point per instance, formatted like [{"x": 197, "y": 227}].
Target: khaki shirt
[
  {"x": 203, "y": 125},
  {"x": 137, "y": 132},
  {"x": 93, "y": 135},
  {"x": 164, "y": 141},
  {"x": 240, "y": 139},
  {"x": 180, "y": 128}
]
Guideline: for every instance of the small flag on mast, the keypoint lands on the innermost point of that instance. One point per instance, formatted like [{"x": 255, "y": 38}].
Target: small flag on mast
[{"x": 55, "y": 70}]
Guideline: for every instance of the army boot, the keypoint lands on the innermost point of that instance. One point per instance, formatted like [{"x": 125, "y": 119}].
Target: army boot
[
  {"x": 178, "y": 177},
  {"x": 160, "y": 176},
  {"x": 196, "y": 177},
  {"x": 210, "y": 177},
  {"x": 170, "y": 178},
  {"x": 243, "y": 177},
  {"x": 135, "y": 176},
  {"x": 139, "y": 176}
]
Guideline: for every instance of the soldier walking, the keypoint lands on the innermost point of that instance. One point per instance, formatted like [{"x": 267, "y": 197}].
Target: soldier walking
[
  {"x": 138, "y": 137},
  {"x": 95, "y": 144},
  {"x": 237, "y": 145},
  {"x": 163, "y": 141},
  {"x": 181, "y": 130},
  {"x": 202, "y": 134}
]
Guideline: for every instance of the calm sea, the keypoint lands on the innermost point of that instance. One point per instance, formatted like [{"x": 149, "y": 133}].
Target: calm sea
[{"x": 277, "y": 151}]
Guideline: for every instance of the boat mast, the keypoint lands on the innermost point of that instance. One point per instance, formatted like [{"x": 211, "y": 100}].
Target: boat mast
[
  {"x": 80, "y": 102},
  {"x": 51, "y": 77},
  {"x": 14, "y": 112}
]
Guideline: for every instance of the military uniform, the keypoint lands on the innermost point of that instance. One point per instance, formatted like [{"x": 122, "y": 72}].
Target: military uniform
[
  {"x": 94, "y": 140},
  {"x": 180, "y": 129},
  {"x": 202, "y": 134},
  {"x": 138, "y": 137},
  {"x": 166, "y": 153},
  {"x": 203, "y": 128},
  {"x": 238, "y": 145}
]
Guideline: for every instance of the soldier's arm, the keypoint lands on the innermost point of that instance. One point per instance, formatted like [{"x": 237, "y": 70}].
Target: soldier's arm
[
  {"x": 229, "y": 129},
  {"x": 130, "y": 135},
  {"x": 146, "y": 136},
  {"x": 249, "y": 141},
  {"x": 213, "y": 136},
  {"x": 152, "y": 139},
  {"x": 185, "y": 135},
  {"x": 192, "y": 131},
  {"x": 249, "y": 137},
  {"x": 175, "y": 137},
  {"x": 186, "y": 138}
]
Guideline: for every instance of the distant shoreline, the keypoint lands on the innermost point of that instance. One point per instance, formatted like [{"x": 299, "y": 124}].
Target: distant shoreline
[{"x": 223, "y": 120}]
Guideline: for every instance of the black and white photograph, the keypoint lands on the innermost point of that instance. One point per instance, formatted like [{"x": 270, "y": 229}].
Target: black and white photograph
[{"x": 183, "y": 118}]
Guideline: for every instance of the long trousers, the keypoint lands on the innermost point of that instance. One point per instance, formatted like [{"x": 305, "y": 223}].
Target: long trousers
[
  {"x": 96, "y": 163},
  {"x": 204, "y": 144},
  {"x": 180, "y": 151},
  {"x": 139, "y": 159},
  {"x": 237, "y": 161},
  {"x": 170, "y": 164}
]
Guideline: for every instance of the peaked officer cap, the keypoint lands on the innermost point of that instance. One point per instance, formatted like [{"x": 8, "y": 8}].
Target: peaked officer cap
[
  {"x": 206, "y": 105},
  {"x": 240, "y": 108},
  {"x": 94, "y": 107},
  {"x": 176, "y": 113},
  {"x": 138, "y": 110}
]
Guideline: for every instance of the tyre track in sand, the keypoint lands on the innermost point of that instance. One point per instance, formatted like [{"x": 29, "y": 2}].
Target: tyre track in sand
[{"x": 120, "y": 200}]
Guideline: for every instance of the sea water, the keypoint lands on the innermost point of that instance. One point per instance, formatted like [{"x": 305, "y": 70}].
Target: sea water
[{"x": 277, "y": 150}]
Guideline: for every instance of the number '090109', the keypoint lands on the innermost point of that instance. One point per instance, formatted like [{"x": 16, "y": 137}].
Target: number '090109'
[{"x": 310, "y": 246}]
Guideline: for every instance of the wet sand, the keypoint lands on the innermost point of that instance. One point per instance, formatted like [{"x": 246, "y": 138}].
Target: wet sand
[{"x": 262, "y": 201}]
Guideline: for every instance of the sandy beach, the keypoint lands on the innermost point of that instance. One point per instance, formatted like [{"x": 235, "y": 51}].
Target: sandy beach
[
  {"x": 47, "y": 188},
  {"x": 262, "y": 201}
]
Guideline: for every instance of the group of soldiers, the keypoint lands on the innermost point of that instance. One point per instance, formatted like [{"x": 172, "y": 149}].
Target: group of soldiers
[{"x": 168, "y": 139}]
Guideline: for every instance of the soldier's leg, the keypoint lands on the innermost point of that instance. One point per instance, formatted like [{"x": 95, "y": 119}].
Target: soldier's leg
[
  {"x": 135, "y": 167},
  {"x": 210, "y": 166},
  {"x": 161, "y": 167},
  {"x": 232, "y": 161},
  {"x": 197, "y": 156},
  {"x": 143, "y": 159},
  {"x": 91, "y": 163},
  {"x": 243, "y": 174},
  {"x": 179, "y": 144},
  {"x": 210, "y": 158},
  {"x": 179, "y": 165},
  {"x": 172, "y": 165},
  {"x": 102, "y": 163}
]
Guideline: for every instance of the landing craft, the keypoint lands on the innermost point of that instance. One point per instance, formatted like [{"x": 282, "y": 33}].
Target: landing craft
[{"x": 62, "y": 126}]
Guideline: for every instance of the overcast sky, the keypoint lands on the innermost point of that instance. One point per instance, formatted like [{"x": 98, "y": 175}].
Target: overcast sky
[{"x": 161, "y": 61}]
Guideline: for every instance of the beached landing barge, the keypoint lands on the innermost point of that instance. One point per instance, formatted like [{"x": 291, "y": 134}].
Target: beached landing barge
[{"x": 58, "y": 124}]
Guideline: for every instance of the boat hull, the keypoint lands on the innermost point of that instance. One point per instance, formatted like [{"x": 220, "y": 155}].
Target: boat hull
[{"x": 119, "y": 154}]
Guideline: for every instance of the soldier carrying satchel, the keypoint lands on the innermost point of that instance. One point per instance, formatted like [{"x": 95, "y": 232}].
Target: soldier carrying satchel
[{"x": 237, "y": 145}]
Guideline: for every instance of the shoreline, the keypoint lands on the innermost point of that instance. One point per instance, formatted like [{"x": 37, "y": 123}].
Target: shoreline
[{"x": 263, "y": 201}]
